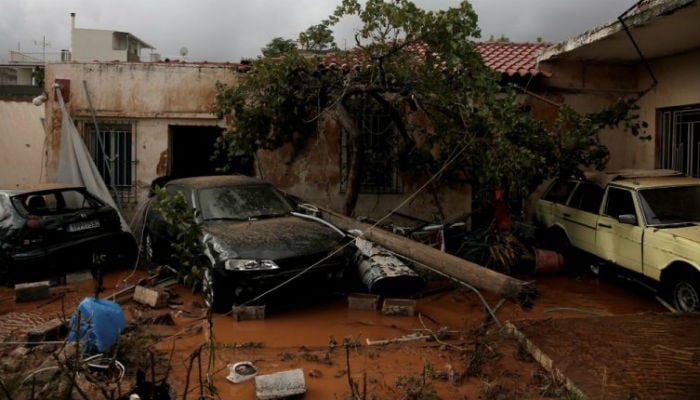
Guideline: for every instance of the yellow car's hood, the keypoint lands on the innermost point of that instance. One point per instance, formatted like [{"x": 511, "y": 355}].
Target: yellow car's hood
[{"x": 691, "y": 233}]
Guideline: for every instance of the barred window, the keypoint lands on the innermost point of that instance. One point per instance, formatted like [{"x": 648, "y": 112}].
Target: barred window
[
  {"x": 680, "y": 139},
  {"x": 111, "y": 147},
  {"x": 379, "y": 172}
]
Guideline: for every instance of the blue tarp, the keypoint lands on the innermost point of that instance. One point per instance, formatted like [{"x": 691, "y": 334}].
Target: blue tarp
[{"x": 101, "y": 322}]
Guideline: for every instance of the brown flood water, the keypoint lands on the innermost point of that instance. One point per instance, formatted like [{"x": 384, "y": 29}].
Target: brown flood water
[{"x": 302, "y": 337}]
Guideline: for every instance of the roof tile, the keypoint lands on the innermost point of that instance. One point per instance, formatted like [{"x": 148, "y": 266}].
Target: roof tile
[{"x": 512, "y": 58}]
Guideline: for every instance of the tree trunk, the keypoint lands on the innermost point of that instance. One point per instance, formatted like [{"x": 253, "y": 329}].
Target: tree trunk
[
  {"x": 452, "y": 266},
  {"x": 352, "y": 189}
]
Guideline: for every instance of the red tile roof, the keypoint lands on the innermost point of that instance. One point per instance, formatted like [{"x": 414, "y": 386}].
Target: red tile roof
[{"x": 512, "y": 58}]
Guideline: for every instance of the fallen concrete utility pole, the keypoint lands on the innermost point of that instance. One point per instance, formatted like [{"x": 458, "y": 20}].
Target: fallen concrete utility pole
[{"x": 452, "y": 266}]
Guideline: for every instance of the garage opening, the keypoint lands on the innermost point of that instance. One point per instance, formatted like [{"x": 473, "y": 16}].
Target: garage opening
[{"x": 191, "y": 148}]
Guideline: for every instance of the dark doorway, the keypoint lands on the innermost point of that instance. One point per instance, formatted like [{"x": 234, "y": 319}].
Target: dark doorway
[{"x": 191, "y": 148}]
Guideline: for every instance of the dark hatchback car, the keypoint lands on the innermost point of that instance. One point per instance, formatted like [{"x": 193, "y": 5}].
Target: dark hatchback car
[
  {"x": 253, "y": 239},
  {"x": 49, "y": 229}
]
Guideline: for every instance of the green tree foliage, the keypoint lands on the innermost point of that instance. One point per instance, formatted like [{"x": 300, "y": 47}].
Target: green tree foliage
[
  {"x": 278, "y": 47},
  {"x": 188, "y": 253},
  {"x": 317, "y": 38},
  {"x": 409, "y": 61}
]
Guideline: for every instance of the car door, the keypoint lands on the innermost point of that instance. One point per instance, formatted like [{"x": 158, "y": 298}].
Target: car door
[
  {"x": 551, "y": 205},
  {"x": 580, "y": 216},
  {"x": 620, "y": 242}
]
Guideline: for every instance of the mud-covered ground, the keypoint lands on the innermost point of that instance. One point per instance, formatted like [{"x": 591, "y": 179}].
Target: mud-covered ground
[{"x": 467, "y": 355}]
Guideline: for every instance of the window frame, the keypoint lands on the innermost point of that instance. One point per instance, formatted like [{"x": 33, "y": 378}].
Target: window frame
[
  {"x": 679, "y": 127},
  {"x": 373, "y": 124},
  {"x": 122, "y": 137}
]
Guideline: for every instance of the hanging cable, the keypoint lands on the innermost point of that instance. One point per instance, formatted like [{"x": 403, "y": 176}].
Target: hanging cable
[{"x": 451, "y": 159}]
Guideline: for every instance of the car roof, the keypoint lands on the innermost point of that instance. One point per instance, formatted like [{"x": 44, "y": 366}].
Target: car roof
[
  {"x": 199, "y": 182},
  {"x": 642, "y": 178},
  {"x": 36, "y": 187},
  {"x": 654, "y": 182}
]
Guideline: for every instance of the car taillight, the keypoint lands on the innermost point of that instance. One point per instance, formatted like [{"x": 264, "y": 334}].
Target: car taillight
[{"x": 33, "y": 224}]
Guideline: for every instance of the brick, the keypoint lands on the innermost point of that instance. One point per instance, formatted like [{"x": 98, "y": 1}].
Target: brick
[
  {"x": 32, "y": 291},
  {"x": 153, "y": 297},
  {"x": 243, "y": 313},
  {"x": 399, "y": 307},
  {"x": 363, "y": 301},
  {"x": 54, "y": 329}
]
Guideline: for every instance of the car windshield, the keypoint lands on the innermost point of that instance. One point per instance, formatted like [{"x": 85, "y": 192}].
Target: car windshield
[
  {"x": 671, "y": 205},
  {"x": 242, "y": 202}
]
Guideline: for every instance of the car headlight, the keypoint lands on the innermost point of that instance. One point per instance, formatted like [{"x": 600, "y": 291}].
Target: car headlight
[{"x": 249, "y": 265}]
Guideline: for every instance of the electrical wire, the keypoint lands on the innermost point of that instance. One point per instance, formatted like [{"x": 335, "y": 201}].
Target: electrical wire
[{"x": 452, "y": 158}]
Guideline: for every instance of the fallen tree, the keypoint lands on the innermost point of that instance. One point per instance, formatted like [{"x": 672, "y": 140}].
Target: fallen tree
[{"x": 454, "y": 267}]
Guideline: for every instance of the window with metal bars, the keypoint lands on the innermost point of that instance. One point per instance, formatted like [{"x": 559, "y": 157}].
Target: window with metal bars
[
  {"x": 680, "y": 139},
  {"x": 111, "y": 147},
  {"x": 379, "y": 173}
]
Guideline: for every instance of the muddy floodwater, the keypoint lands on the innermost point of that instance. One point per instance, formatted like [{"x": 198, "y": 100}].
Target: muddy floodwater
[{"x": 467, "y": 355}]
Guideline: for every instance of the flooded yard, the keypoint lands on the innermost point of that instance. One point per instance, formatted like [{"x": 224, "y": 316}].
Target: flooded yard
[{"x": 340, "y": 350}]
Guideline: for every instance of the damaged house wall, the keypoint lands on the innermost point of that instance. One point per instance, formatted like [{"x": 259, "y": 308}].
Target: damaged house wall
[
  {"x": 153, "y": 100},
  {"x": 316, "y": 174},
  {"x": 136, "y": 106}
]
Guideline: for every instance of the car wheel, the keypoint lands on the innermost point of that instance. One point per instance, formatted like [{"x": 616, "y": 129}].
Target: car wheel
[
  {"x": 685, "y": 294},
  {"x": 216, "y": 297}
]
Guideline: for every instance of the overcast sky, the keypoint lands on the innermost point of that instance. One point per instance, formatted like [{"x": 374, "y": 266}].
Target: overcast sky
[{"x": 228, "y": 30}]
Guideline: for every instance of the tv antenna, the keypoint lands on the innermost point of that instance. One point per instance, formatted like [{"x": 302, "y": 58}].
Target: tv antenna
[{"x": 44, "y": 44}]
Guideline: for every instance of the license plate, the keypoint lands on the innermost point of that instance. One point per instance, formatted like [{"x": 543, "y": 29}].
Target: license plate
[{"x": 81, "y": 226}]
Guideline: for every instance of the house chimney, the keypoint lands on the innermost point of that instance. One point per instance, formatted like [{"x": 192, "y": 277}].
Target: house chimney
[{"x": 72, "y": 28}]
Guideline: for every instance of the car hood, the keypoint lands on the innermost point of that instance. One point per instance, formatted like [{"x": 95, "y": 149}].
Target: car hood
[
  {"x": 269, "y": 239},
  {"x": 691, "y": 233}
]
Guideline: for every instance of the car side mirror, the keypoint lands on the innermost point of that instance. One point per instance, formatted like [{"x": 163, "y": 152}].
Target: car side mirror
[{"x": 630, "y": 219}]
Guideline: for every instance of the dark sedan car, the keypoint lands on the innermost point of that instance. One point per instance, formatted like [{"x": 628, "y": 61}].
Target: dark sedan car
[
  {"x": 252, "y": 238},
  {"x": 47, "y": 230}
]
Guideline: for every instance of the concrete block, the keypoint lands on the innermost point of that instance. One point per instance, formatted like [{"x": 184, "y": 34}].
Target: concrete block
[
  {"x": 243, "y": 313},
  {"x": 80, "y": 276},
  {"x": 153, "y": 297},
  {"x": 363, "y": 301},
  {"x": 52, "y": 330},
  {"x": 280, "y": 385},
  {"x": 32, "y": 291},
  {"x": 399, "y": 307}
]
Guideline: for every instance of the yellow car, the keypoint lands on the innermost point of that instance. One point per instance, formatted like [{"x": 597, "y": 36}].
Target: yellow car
[{"x": 645, "y": 221}]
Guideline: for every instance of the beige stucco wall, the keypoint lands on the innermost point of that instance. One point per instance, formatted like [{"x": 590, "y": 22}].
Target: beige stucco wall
[
  {"x": 94, "y": 44},
  {"x": 678, "y": 85},
  {"x": 21, "y": 143},
  {"x": 152, "y": 96},
  {"x": 589, "y": 87}
]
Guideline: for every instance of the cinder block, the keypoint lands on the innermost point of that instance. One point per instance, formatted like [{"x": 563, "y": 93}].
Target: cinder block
[
  {"x": 363, "y": 301},
  {"x": 280, "y": 385},
  {"x": 399, "y": 307},
  {"x": 54, "y": 329},
  {"x": 75, "y": 277},
  {"x": 243, "y": 313},
  {"x": 32, "y": 291},
  {"x": 153, "y": 297}
]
